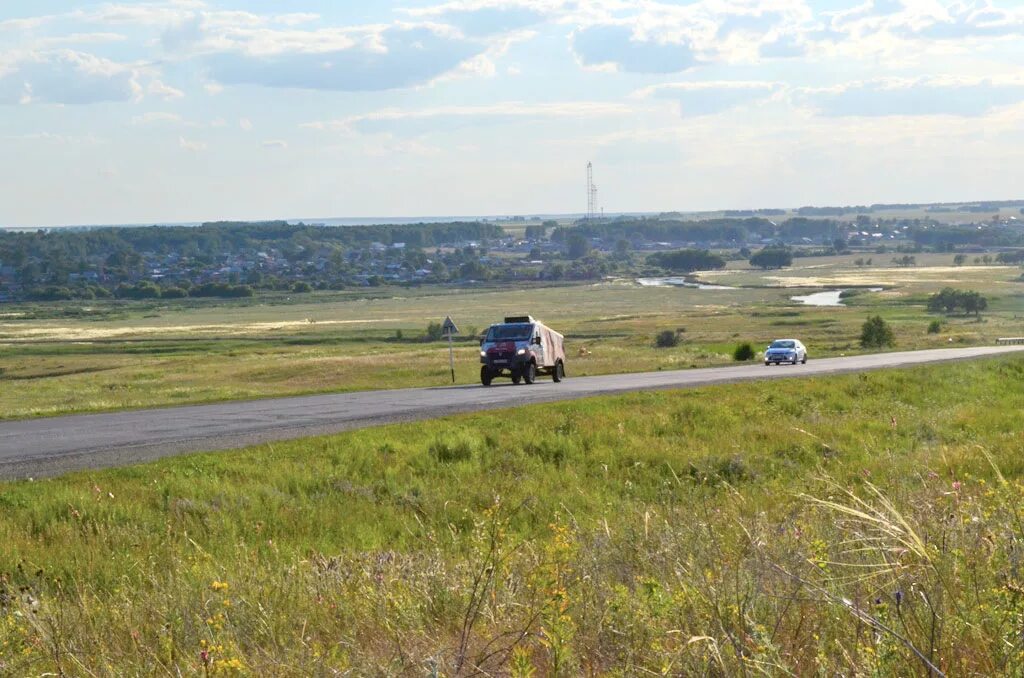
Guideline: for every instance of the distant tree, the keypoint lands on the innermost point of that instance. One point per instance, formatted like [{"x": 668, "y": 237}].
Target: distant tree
[
  {"x": 577, "y": 246},
  {"x": 959, "y": 259},
  {"x": 474, "y": 270},
  {"x": 772, "y": 257},
  {"x": 949, "y": 300},
  {"x": 142, "y": 290},
  {"x": 554, "y": 271},
  {"x": 1014, "y": 257},
  {"x": 876, "y": 333},
  {"x": 686, "y": 261},
  {"x": 173, "y": 293},
  {"x": 536, "y": 232},
  {"x": 622, "y": 249},
  {"x": 840, "y": 245},
  {"x": 302, "y": 287},
  {"x": 905, "y": 261}
]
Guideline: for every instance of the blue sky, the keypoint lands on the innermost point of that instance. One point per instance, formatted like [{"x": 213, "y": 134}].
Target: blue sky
[{"x": 187, "y": 110}]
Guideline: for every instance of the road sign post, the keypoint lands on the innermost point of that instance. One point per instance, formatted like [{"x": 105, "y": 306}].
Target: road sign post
[{"x": 450, "y": 330}]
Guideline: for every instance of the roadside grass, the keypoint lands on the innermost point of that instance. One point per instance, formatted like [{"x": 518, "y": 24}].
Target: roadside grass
[
  {"x": 58, "y": 360},
  {"x": 859, "y": 525}
]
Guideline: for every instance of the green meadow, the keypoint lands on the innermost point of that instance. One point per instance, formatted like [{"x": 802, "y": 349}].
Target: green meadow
[
  {"x": 865, "y": 524},
  {"x": 58, "y": 359}
]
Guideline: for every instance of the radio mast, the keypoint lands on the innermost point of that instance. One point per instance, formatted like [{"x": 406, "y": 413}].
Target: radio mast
[{"x": 591, "y": 193}]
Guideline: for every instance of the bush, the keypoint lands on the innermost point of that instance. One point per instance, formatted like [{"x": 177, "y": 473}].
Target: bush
[
  {"x": 876, "y": 333},
  {"x": 666, "y": 339},
  {"x": 174, "y": 293},
  {"x": 744, "y": 352},
  {"x": 934, "y": 327},
  {"x": 302, "y": 287},
  {"x": 458, "y": 446},
  {"x": 434, "y": 332}
]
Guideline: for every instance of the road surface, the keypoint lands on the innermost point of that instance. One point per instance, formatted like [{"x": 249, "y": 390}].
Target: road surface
[{"x": 51, "y": 446}]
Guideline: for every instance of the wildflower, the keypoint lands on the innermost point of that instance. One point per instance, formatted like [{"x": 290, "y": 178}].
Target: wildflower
[
  {"x": 219, "y": 585},
  {"x": 899, "y": 598},
  {"x": 956, "y": 485}
]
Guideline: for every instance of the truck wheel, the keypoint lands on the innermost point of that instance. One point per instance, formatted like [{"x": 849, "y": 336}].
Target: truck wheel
[
  {"x": 559, "y": 373},
  {"x": 485, "y": 376},
  {"x": 530, "y": 373},
  {"x": 517, "y": 376}
]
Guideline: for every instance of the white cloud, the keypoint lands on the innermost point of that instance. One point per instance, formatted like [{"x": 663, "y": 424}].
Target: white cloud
[
  {"x": 396, "y": 57},
  {"x": 245, "y": 124},
  {"x": 191, "y": 146},
  {"x": 390, "y": 118},
  {"x": 962, "y": 97},
  {"x": 711, "y": 97},
  {"x": 67, "y": 77},
  {"x": 159, "y": 89},
  {"x": 157, "y": 118},
  {"x": 275, "y": 144}
]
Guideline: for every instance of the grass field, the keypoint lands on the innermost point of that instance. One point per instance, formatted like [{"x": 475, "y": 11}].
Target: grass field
[
  {"x": 857, "y": 525},
  {"x": 58, "y": 359}
]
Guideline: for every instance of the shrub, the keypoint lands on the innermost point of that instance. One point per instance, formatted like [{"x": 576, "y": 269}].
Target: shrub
[
  {"x": 666, "y": 339},
  {"x": 174, "y": 293},
  {"x": 454, "y": 447},
  {"x": 302, "y": 287},
  {"x": 876, "y": 333},
  {"x": 744, "y": 352},
  {"x": 934, "y": 327},
  {"x": 434, "y": 332}
]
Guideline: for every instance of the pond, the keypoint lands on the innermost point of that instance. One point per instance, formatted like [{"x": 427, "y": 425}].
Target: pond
[{"x": 826, "y": 298}]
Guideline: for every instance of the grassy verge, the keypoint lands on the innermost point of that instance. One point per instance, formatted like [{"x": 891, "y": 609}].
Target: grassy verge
[{"x": 863, "y": 524}]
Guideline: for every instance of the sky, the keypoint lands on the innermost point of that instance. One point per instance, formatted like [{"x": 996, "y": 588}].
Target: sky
[{"x": 194, "y": 110}]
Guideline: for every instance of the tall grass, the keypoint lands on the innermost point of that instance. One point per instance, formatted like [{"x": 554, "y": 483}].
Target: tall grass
[{"x": 859, "y": 525}]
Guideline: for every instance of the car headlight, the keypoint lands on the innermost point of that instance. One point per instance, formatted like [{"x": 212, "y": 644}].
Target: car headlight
[
  {"x": 483, "y": 354},
  {"x": 521, "y": 351}
]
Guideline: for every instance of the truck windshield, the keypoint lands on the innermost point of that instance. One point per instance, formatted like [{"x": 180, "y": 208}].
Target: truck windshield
[{"x": 511, "y": 332}]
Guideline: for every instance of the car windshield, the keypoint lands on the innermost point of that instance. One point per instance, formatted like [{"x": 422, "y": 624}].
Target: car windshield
[
  {"x": 511, "y": 332},
  {"x": 783, "y": 343}
]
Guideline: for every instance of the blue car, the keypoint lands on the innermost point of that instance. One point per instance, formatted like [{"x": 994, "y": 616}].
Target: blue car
[{"x": 785, "y": 351}]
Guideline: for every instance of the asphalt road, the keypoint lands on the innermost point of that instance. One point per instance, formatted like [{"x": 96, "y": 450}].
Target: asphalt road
[{"x": 51, "y": 446}]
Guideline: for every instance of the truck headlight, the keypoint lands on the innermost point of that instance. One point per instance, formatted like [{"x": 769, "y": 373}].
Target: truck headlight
[{"x": 521, "y": 351}]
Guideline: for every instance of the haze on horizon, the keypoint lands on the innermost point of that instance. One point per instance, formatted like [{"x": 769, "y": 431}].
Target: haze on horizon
[{"x": 189, "y": 110}]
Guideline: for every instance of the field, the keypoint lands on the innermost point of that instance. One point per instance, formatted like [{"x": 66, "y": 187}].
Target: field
[
  {"x": 57, "y": 359},
  {"x": 856, "y": 525}
]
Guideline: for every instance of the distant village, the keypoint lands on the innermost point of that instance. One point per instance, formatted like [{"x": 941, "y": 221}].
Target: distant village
[{"x": 237, "y": 259}]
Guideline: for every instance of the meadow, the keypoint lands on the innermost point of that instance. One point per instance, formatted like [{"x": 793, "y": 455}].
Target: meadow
[
  {"x": 58, "y": 358},
  {"x": 857, "y": 525}
]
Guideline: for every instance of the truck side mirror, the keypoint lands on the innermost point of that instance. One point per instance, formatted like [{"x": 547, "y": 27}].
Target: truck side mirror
[{"x": 536, "y": 340}]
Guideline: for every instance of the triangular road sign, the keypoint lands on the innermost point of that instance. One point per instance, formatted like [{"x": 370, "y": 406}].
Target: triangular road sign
[{"x": 449, "y": 326}]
